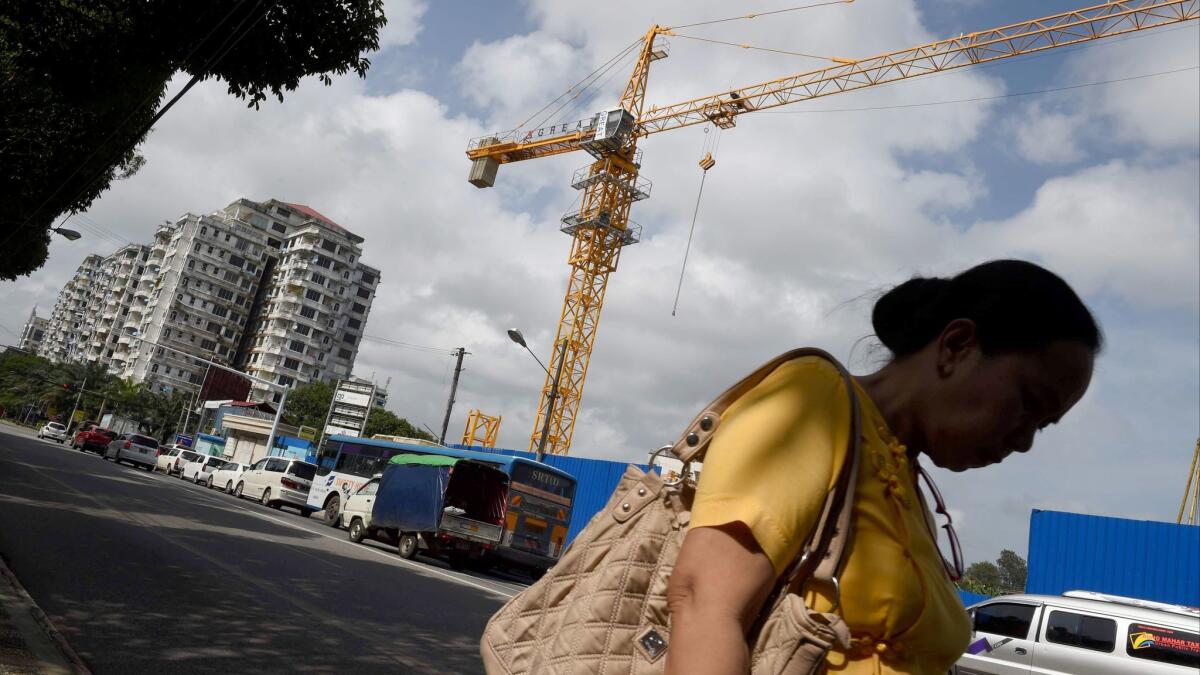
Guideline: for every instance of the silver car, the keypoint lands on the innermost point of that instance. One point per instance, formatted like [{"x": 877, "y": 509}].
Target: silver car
[
  {"x": 55, "y": 431},
  {"x": 1081, "y": 633},
  {"x": 136, "y": 449}
]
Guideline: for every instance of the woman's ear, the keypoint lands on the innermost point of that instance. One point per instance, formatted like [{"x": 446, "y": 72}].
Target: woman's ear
[{"x": 958, "y": 341}]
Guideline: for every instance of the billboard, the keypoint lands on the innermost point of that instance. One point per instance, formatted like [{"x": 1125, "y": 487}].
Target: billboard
[
  {"x": 350, "y": 407},
  {"x": 222, "y": 385}
]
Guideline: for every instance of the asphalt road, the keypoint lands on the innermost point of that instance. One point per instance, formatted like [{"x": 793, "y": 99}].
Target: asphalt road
[{"x": 148, "y": 574}]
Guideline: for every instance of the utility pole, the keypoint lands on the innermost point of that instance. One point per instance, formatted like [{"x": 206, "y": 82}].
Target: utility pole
[
  {"x": 453, "y": 388},
  {"x": 71, "y": 419},
  {"x": 562, "y": 356}
]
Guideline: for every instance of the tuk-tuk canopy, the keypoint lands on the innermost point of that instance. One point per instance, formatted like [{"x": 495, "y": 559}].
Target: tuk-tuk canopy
[{"x": 425, "y": 460}]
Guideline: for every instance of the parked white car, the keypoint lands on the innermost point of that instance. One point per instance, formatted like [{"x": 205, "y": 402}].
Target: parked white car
[
  {"x": 55, "y": 431},
  {"x": 200, "y": 470},
  {"x": 182, "y": 457},
  {"x": 226, "y": 476},
  {"x": 166, "y": 457},
  {"x": 1081, "y": 632},
  {"x": 278, "y": 481},
  {"x": 136, "y": 449}
]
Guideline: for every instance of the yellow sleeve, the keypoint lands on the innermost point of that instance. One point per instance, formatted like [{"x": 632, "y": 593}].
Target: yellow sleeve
[{"x": 775, "y": 456}]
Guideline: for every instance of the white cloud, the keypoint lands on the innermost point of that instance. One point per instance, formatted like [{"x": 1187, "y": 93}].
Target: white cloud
[
  {"x": 1126, "y": 229},
  {"x": 403, "y": 22},
  {"x": 803, "y": 218},
  {"x": 1048, "y": 136}
]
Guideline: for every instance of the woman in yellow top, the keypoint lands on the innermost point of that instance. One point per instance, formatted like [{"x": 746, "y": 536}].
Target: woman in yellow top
[{"x": 982, "y": 362}]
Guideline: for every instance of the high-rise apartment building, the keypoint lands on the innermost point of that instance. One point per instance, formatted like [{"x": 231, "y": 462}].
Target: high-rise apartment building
[
  {"x": 275, "y": 289},
  {"x": 33, "y": 333}
]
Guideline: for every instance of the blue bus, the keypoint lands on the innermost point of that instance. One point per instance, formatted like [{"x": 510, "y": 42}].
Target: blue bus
[{"x": 540, "y": 497}]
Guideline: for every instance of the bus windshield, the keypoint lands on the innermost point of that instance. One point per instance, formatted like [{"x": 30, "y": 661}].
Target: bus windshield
[{"x": 530, "y": 476}]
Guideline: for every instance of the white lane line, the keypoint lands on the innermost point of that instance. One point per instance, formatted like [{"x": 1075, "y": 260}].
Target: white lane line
[{"x": 345, "y": 542}]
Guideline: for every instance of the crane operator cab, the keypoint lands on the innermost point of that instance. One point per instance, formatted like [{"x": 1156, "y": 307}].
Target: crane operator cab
[{"x": 613, "y": 129}]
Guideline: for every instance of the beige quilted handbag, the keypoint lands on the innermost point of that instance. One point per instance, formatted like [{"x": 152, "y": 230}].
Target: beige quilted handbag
[{"x": 603, "y": 607}]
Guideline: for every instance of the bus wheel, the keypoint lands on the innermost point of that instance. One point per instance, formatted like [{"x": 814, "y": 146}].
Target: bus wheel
[
  {"x": 407, "y": 548},
  {"x": 333, "y": 510}
]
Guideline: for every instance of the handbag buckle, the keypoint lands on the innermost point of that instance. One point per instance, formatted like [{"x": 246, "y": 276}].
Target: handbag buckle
[{"x": 684, "y": 474}]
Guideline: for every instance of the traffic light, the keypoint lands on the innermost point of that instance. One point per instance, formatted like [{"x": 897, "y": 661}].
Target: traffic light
[{"x": 67, "y": 386}]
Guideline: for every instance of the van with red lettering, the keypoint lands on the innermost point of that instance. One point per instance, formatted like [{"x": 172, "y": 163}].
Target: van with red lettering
[{"x": 1083, "y": 633}]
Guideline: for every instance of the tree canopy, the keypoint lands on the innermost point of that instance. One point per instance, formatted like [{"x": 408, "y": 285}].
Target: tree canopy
[
  {"x": 81, "y": 80},
  {"x": 1005, "y": 575}
]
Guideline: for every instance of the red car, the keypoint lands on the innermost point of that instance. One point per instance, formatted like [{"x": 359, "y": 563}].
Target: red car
[{"x": 94, "y": 437}]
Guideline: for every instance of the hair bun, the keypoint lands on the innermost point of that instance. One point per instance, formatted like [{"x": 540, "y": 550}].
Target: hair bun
[{"x": 906, "y": 318}]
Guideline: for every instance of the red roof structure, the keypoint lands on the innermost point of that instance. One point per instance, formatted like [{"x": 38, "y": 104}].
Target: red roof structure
[{"x": 311, "y": 213}]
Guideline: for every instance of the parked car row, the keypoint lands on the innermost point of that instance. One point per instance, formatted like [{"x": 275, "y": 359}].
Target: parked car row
[{"x": 273, "y": 481}]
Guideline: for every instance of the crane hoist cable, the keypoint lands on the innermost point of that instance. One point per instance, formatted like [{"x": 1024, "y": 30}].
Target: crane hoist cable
[
  {"x": 741, "y": 45},
  {"x": 706, "y": 162},
  {"x": 599, "y": 70}
]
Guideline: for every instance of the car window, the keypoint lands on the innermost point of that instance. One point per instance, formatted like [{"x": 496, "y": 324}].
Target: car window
[
  {"x": 1165, "y": 645},
  {"x": 1081, "y": 630},
  {"x": 144, "y": 440},
  {"x": 56, "y": 426},
  {"x": 215, "y": 462},
  {"x": 190, "y": 456},
  {"x": 257, "y": 466},
  {"x": 277, "y": 465},
  {"x": 302, "y": 470},
  {"x": 1004, "y": 618},
  {"x": 369, "y": 489}
]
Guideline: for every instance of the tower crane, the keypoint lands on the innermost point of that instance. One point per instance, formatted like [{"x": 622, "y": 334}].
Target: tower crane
[{"x": 611, "y": 183}]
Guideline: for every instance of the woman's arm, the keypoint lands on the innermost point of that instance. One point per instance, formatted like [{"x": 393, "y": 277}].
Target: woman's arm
[{"x": 720, "y": 581}]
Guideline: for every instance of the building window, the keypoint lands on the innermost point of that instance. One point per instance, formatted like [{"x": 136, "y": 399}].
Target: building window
[
  {"x": 312, "y": 295},
  {"x": 291, "y": 364},
  {"x": 220, "y": 311},
  {"x": 318, "y": 278},
  {"x": 345, "y": 354},
  {"x": 283, "y": 212},
  {"x": 354, "y": 323},
  {"x": 204, "y": 230},
  {"x": 296, "y": 346},
  {"x": 308, "y": 312},
  {"x": 301, "y": 329},
  {"x": 349, "y": 339},
  {"x": 364, "y": 293},
  {"x": 274, "y": 243},
  {"x": 279, "y": 227},
  {"x": 224, "y": 294},
  {"x": 368, "y": 278},
  {"x": 359, "y": 309},
  {"x": 208, "y": 345},
  {"x": 286, "y": 381},
  {"x": 236, "y": 261}
]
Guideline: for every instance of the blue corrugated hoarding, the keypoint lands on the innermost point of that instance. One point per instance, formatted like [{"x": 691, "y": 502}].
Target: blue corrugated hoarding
[
  {"x": 596, "y": 480},
  {"x": 1135, "y": 558}
]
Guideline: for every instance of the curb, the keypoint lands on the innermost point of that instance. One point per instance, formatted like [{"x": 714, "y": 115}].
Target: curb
[{"x": 43, "y": 621}]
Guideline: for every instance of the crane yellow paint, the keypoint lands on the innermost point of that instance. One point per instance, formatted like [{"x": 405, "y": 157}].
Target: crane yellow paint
[{"x": 611, "y": 184}]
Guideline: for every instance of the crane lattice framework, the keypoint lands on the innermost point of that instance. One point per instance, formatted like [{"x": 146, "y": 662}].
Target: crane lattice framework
[{"x": 601, "y": 227}]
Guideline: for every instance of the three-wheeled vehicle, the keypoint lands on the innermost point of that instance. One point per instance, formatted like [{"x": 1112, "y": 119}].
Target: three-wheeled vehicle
[{"x": 450, "y": 507}]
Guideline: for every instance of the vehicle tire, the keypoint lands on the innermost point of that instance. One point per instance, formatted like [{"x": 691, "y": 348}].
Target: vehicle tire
[
  {"x": 237, "y": 491},
  {"x": 357, "y": 531},
  {"x": 407, "y": 546},
  {"x": 209, "y": 483},
  {"x": 229, "y": 487},
  {"x": 265, "y": 500},
  {"x": 333, "y": 510}
]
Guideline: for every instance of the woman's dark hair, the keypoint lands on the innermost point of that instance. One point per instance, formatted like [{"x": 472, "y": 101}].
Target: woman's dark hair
[{"x": 1016, "y": 306}]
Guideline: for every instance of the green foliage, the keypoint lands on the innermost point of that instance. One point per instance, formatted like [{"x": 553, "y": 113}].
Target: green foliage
[
  {"x": 31, "y": 387},
  {"x": 383, "y": 421},
  {"x": 81, "y": 79},
  {"x": 308, "y": 404},
  {"x": 1006, "y": 575}
]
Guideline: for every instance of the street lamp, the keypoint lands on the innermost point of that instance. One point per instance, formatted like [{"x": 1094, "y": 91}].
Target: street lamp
[
  {"x": 515, "y": 336},
  {"x": 69, "y": 235}
]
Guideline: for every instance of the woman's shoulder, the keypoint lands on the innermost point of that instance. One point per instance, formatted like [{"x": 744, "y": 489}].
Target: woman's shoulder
[{"x": 813, "y": 375}]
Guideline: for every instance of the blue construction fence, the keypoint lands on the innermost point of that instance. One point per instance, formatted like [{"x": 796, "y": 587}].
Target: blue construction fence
[{"x": 1136, "y": 558}]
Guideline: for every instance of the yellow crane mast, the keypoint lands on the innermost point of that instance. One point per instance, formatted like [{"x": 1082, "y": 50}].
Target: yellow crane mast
[{"x": 611, "y": 183}]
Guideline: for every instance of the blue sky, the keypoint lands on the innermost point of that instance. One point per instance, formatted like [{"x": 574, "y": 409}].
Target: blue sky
[{"x": 805, "y": 218}]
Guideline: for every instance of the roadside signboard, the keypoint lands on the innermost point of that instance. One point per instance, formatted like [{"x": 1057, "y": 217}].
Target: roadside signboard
[
  {"x": 185, "y": 441},
  {"x": 307, "y": 433},
  {"x": 350, "y": 407}
]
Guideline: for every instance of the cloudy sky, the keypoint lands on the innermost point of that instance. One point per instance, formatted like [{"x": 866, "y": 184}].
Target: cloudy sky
[{"x": 810, "y": 212}]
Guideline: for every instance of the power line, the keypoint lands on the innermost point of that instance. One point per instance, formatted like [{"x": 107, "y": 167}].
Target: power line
[
  {"x": 976, "y": 99},
  {"x": 409, "y": 345},
  {"x": 758, "y": 14},
  {"x": 746, "y": 46}
]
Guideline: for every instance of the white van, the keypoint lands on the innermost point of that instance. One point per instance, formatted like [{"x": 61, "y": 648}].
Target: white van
[
  {"x": 278, "y": 481},
  {"x": 1081, "y": 633}
]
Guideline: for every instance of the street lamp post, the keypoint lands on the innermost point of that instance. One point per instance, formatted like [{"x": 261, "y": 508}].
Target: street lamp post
[{"x": 516, "y": 336}]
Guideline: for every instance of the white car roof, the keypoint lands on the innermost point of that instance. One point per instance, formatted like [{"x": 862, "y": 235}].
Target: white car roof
[{"x": 1113, "y": 605}]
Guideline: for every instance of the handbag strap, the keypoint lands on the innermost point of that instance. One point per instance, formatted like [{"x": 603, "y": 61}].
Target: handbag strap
[{"x": 821, "y": 556}]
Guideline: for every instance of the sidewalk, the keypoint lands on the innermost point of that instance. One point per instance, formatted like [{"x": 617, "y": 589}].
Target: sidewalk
[{"x": 29, "y": 643}]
